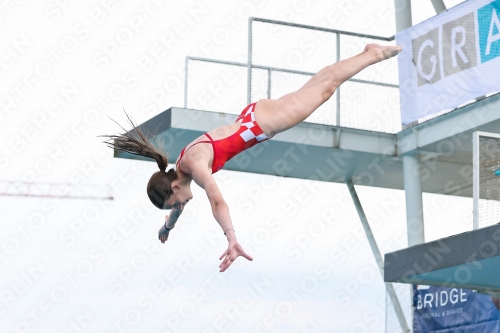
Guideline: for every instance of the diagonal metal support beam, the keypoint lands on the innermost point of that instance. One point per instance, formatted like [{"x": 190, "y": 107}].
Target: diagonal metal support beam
[
  {"x": 378, "y": 257},
  {"x": 366, "y": 226},
  {"x": 439, "y": 6}
]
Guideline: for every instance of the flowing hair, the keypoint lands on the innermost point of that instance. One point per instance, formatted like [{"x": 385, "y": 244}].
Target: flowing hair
[{"x": 136, "y": 142}]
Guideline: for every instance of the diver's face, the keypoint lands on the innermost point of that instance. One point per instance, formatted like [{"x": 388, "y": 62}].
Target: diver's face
[{"x": 179, "y": 198}]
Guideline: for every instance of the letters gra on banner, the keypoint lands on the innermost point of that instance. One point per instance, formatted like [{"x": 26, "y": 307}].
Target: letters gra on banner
[{"x": 449, "y": 59}]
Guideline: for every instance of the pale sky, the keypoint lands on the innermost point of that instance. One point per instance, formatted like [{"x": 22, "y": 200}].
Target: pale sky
[{"x": 74, "y": 265}]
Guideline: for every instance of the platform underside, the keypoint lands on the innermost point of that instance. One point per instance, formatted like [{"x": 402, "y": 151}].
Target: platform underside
[{"x": 469, "y": 260}]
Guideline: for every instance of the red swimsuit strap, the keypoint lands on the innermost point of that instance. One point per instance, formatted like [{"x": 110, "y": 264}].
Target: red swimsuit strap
[{"x": 185, "y": 150}]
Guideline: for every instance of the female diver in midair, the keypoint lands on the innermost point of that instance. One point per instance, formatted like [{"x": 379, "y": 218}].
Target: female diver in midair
[{"x": 258, "y": 122}]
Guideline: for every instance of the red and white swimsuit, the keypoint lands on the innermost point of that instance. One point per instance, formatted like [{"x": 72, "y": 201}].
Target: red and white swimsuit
[{"x": 247, "y": 136}]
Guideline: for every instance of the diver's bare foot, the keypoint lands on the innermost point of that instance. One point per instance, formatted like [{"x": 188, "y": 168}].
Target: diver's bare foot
[{"x": 383, "y": 52}]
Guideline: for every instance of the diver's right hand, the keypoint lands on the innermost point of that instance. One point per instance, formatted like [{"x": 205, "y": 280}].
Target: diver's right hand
[{"x": 163, "y": 232}]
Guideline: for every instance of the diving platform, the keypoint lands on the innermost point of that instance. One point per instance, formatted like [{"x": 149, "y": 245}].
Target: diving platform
[{"x": 469, "y": 260}]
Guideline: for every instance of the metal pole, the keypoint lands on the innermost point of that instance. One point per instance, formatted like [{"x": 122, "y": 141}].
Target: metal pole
[
  {"x": 377, "y": 255},
  {"x": 402, "y": 10},
  {"x": 475, "y": 179},
  {"x": 249, "y": 62},
  {"x": 185, "y": 81},
  {"x": 414, "y": 203},
  {"x": 268, "y": 83},
  {"x": 403, "y": 14},
  {"x": 338, "y": 88},
  {"x": 439, "y": 6}
]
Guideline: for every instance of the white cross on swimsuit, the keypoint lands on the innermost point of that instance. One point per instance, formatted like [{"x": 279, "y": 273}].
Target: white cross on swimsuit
[{"x": 250, "y": 123}]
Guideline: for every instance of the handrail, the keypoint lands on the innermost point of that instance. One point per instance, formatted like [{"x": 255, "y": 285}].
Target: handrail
[
  {"x": 311, "y": 27},
  {"x": 278, "y": 69}
]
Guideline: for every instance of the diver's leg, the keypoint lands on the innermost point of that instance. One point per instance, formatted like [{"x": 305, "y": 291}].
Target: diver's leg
[{"x": 275, "y": 116}]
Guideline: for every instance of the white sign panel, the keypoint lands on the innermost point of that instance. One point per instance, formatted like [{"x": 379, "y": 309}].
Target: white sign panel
[{"x": 449, "y": 59}]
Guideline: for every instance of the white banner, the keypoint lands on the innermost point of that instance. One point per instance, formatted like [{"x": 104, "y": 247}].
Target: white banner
[{"x": 449, "y": 59}]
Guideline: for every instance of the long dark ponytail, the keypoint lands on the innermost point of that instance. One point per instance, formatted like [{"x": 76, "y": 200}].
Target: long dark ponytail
[{"x": 136, "y": 142}]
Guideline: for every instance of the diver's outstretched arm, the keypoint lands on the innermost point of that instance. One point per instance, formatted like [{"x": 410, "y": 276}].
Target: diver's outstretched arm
[{"x": 203, "y": 177}]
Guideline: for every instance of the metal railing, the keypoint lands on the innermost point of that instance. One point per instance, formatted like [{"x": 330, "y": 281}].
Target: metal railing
[
  {"x": 269, "y": 69},
  {"x": 338, "y": 33},
  {"x": 252, "y": 65}
]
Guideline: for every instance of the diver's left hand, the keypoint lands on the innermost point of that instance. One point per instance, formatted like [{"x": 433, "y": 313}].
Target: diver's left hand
[{"x": 234, "y": 250}]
